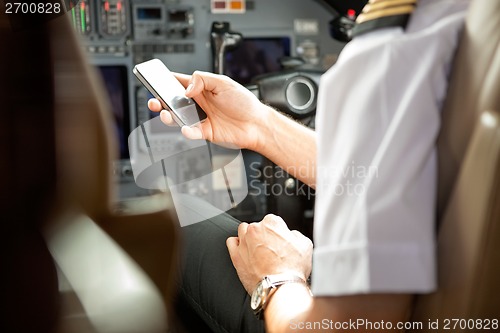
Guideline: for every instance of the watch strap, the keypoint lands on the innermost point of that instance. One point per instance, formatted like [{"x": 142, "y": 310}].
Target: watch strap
[{"x": 273, "y": 282}]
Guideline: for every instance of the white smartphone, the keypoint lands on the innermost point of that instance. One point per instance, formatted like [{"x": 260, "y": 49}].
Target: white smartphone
[{"x": 160, "y": 82}]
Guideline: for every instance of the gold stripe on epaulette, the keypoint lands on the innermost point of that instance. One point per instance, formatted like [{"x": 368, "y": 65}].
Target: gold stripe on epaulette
[
  {"x": 373, "y": 6},
  {"x": 377, "y": 1},
  {"x": 406, "y": 9}
]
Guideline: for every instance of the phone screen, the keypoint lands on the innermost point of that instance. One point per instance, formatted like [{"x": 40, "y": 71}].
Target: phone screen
[{"x": 169, "y": 91}]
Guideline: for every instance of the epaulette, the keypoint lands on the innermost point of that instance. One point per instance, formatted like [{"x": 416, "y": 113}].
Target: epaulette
[{"x": 378, "y": 14}]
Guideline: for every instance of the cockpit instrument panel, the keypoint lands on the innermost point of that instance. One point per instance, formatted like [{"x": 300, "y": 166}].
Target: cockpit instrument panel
[
  {"x": 271, "y": 37},
  {"x": 113, "y": 18},
  {"x": 81, "y": 17}
]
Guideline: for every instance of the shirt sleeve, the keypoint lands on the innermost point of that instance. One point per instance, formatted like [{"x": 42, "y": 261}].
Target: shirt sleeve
[{"x": 378, "y": 119}]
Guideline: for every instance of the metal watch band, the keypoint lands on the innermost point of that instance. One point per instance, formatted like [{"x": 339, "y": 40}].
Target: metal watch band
[
  {"x": 272, "y": 282},
  {"x": 279, "y": 279}
]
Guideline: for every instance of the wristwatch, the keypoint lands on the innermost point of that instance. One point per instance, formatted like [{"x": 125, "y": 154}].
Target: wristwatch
[{"x": 266, "y": 288}]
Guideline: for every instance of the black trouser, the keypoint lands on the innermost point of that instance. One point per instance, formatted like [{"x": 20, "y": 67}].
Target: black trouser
[{"x": 210, "y": 287}]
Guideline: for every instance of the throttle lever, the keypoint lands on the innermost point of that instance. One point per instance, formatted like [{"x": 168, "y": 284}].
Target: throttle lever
[{"x": 222, "y": 40}]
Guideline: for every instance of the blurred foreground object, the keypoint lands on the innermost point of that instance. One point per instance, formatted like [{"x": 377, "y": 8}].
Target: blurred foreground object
[
  {"x": 469, "y": 181},
  {"x": 71, "y": 262}
]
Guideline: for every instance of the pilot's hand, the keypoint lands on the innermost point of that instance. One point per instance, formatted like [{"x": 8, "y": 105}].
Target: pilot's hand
[
  {"x": 234, "y": 113},
  {"x": 269, "y": 247}
]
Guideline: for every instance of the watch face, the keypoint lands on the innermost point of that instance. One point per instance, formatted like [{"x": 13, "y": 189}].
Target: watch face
[{"x": 257, "y": 294}]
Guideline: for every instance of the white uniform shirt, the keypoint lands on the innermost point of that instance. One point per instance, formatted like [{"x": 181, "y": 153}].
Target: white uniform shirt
[{"x": 377, "y": 123}]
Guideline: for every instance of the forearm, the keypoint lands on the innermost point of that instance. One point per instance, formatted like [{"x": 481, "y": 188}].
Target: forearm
[
  {"x": 290, "y": 304},
  {"x": 292, "y": 309},
  {"x": 289, "y": 144}
]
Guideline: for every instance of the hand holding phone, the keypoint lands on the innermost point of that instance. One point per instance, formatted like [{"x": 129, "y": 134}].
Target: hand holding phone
[{"x": 160, "y": 82}]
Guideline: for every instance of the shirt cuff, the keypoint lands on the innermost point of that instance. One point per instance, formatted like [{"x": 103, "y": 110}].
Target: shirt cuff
[{"x": 381, "y": 268}]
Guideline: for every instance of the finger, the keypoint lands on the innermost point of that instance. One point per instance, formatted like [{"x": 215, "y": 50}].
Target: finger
[
  {"x": 242, "y": 234},
  {"x": 166, "y": 118},
  {"x": 273, "y": 218},
  {"x": 201, "y": 81},
  {"x": 274, "y": 221},
  {"x": 184, "y": 79},
  {"x": 154, "y": 105},
  {"x": 304, "y": 241},
  {"x": 254, "y": 232},
  {"x": 242, "y": 230},
  {"x": 297, "y": 234},
  {"x": 193, "y": 133},
  {"x": 232, "y": 244},
  {"x": 300, "y": 238}
]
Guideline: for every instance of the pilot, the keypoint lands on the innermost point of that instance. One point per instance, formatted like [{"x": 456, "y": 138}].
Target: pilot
[{"x": 378, "y": 116}]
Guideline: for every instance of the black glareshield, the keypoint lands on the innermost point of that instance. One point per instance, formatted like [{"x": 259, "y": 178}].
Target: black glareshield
[
  {"x": 158, "y": 79},
  {"x": 343, "y": 6}
]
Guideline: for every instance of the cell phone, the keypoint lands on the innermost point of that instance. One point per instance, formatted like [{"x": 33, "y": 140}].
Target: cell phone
[{"x": 160, "y": 82}]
